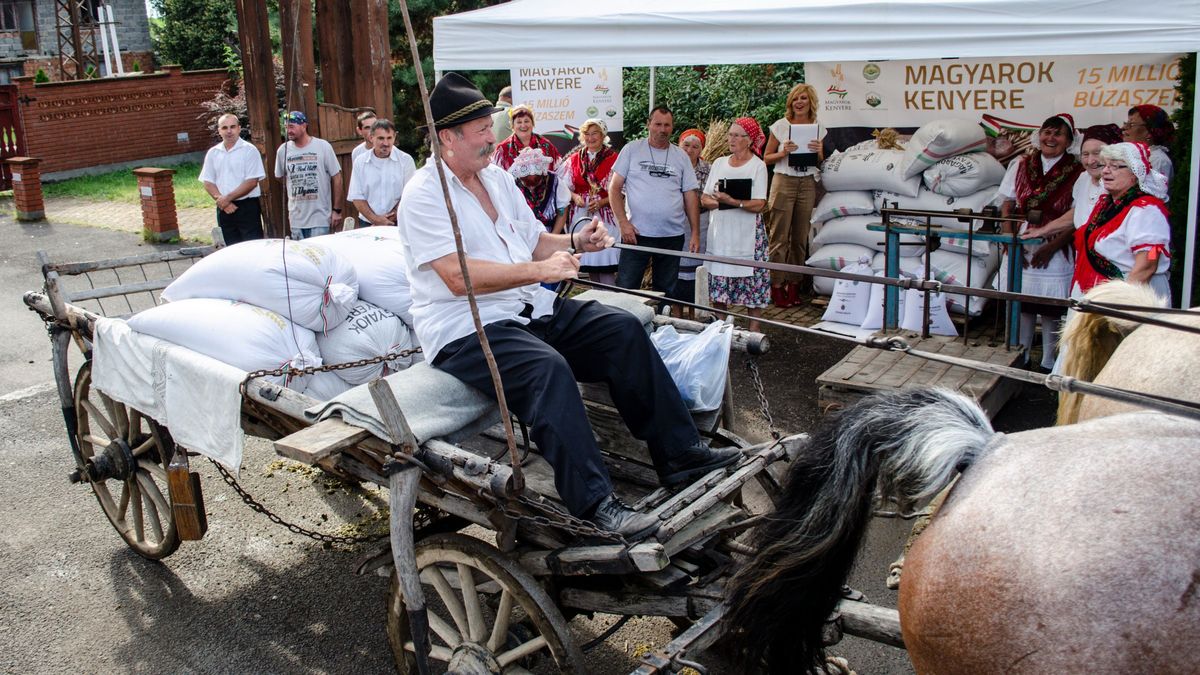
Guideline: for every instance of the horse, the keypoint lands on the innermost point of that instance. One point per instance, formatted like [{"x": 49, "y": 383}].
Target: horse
[
  {"x": 1127, "y": 354},
  {"x": 1057, "y": 550}
]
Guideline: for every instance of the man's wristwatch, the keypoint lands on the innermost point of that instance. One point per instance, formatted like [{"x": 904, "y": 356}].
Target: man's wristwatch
[
  {"x": 740, "y": 205},
  {"x": 337, "y": 209}
]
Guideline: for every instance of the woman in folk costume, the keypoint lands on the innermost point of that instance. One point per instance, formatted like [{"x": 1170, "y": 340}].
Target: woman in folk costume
[
  {"x": 1127, "y": 236},
  {"x": 1151, "y": 125},
  {"x": 1042, "y": 182},
  {"x": 523, "y": 137},
  {"x": 737, "y": 229},
  {"x": 543, "y": 191},
  {"x": 585, "y": 172}
]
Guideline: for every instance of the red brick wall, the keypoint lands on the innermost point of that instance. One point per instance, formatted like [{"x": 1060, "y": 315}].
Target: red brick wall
[{"x": 74, "y": 125}]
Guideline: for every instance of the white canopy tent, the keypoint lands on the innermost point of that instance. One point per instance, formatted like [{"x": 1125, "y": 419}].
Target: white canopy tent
[{"x": 531, "y": 33}]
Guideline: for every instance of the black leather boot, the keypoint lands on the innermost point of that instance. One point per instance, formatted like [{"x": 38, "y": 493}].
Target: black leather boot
[
  {"x": 613, "y": 515},
  {"x": 694, "y": 462}
]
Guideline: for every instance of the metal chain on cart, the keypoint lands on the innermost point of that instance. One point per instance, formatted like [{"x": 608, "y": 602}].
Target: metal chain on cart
[
  {"x": 289, "y": 371},
  {"x": 548, "y": 516},
  {"x": 257, "y": 506},
  {"x": 764, "y": 406}
]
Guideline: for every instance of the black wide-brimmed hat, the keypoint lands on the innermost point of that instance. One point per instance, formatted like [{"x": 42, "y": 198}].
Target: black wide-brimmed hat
[{"x": 454, "y": 101}]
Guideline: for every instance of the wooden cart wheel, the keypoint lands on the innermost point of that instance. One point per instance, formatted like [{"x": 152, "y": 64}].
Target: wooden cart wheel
[
  {"x": 131, "y": 450},
  {"x": 498, "y": 620}
]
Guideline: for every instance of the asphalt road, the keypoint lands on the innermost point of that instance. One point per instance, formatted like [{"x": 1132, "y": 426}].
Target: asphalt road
[{"x": 252, "y": 597}]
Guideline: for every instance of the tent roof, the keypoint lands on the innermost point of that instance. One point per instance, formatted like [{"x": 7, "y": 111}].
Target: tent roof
[{"x": 690, "y": 32}]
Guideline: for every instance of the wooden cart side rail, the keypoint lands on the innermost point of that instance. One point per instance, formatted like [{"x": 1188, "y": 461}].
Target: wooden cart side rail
[
  {"x": 879, "y": 624},
  {"x": 71, "y": 317},
  {"x": 747, "y": 342},
  {"x": 68, "y": 269}
]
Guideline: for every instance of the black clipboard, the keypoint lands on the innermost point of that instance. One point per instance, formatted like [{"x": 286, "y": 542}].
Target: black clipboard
[
  {"x": 802, "y": 160},
  {"x": 738, "y": 188}
]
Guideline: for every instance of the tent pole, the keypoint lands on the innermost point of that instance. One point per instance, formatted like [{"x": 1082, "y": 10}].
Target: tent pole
[
  {"x": 1189, "y": 255},
  {"x": 652, "y": 75}
]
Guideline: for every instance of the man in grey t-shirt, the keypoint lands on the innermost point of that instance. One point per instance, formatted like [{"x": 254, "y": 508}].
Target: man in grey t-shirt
[
  {"x": 313, "y": 179},
  {"x": 656, "y": 180}
]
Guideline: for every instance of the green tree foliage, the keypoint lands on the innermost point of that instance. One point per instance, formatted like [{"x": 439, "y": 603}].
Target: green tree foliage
[
  {"x": 702, "y": 94},
  {"x": 409, "y": 112},
  {"x": 195, "y": 33},
  {"x": 1181, "y": 155}
]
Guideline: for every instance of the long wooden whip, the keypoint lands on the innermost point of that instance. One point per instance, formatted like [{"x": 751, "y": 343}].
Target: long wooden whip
[{"x": 518, "y": 478}]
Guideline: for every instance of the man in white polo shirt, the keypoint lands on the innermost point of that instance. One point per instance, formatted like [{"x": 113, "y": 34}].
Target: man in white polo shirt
[
  {"x": 379, "y": 177},
  {"x": 231, "y": 171},
  {"x": 542, "y": 344}
]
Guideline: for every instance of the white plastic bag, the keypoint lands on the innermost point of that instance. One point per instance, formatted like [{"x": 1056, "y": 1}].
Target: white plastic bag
[
  {"x": 874, "y": 318},
  {"x": 368, "y": 331},
  {"x": 914, "y": 313},
  {"x": 848, "y": 304},
  {"x": 304, "y": 282},
  {"x": 698, "y": 363}
]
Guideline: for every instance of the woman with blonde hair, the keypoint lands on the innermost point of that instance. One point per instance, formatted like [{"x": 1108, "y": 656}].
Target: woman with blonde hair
[
  {"x": 793, "y": 193},
  {"x": 586, "y": 171}
]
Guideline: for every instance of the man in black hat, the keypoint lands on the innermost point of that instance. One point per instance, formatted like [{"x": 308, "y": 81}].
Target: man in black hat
[{"x": 543, "y": 344}]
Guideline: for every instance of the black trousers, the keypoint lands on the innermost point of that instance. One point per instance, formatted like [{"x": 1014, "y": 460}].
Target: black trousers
[
  {"x": 243, "y": 224},
  {"x": 632, "y": 264},
  {"x": 540, "y": 364}
]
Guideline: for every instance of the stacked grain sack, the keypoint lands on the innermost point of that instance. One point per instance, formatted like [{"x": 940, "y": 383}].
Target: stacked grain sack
[
  {"x": 942, "y": 168},
  {"x": 263, "y": 304}
]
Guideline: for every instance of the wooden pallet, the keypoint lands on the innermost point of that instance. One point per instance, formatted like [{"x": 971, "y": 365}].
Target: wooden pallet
[{"x": 866, "y": 370}]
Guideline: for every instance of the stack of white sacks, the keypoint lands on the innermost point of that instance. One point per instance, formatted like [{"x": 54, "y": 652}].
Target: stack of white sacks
[
  {"x": 944, "y": 167},
  {"x": 259, "y": 305}
]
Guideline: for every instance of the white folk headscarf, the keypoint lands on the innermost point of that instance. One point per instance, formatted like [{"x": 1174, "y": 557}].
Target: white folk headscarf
[{"x": 1137, "y": 157}]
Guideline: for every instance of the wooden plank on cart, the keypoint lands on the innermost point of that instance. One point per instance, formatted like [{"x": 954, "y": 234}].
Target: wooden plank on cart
[{"x": 312, "y": 444}]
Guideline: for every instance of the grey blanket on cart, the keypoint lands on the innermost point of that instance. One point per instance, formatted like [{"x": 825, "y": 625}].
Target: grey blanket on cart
[{"x": 435, "y": 404}]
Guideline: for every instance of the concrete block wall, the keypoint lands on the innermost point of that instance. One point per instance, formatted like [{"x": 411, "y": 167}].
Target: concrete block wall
[{"x": 120, "y": 119}]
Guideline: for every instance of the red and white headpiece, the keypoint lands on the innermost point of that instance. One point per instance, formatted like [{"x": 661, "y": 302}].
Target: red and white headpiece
[{"x": 1137, "y": 157}]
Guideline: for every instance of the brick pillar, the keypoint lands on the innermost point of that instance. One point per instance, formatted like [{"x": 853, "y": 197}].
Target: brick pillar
[
  {"x": 157, "y": 189},
  {"x": 27, "y": 187}
]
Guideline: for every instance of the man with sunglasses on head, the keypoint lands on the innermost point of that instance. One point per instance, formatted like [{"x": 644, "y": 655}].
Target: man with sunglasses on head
[
  {"x": 543, "y": 344},
  {"x": 653, "y": 194}
]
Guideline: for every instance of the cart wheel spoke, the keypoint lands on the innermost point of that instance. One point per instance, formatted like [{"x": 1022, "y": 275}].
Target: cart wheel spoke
[
  {"x": 437, "y": 652},
  {"x": 119, "y": 416},
  {"x": 145, "y": 447},
  {"x": 96, "y": 443},
  {"x": 444, "y": 630},
  {"x": 135, "y": 500},
  {"x": 156, "y": 472},
  {"x": 123, "y": 506},
  {"x": 438, "y": 578},
  {"x": 521, "y": 651},
  {"x": 98, "y": 417},
  {"x": 500, "y": 628},
  {"x": 475, "y": 622},
  {"x": 157, "y": 505}
]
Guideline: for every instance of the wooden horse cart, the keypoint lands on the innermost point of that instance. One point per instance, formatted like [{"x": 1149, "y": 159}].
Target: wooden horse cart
[{"x": 471, "y": 605}]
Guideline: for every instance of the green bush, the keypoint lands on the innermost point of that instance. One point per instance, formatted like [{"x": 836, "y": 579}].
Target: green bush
[
  {"x": 41, "y": 76},
  {"x": 1181, "y": 156},
  {"x": 701, "y": 94},
  {"x": 135, "y": 67}
]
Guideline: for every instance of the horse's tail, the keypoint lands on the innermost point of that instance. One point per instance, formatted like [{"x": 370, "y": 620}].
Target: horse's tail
[
  {"x": 911, "y": 443},
  {"x": 1089, "y": 339}
]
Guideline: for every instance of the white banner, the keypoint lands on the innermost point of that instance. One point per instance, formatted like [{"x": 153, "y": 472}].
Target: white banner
[
  {"x": 563, "y": 98},
  {"x": 1014, "y": 92}
]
